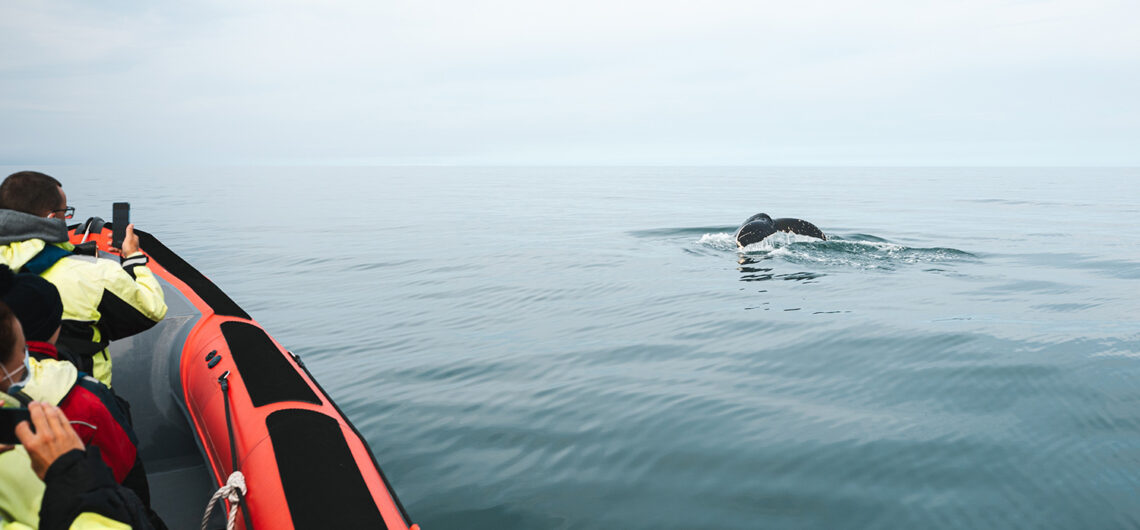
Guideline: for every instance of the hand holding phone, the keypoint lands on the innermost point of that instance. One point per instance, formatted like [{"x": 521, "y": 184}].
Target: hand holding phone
[
  {"x": 120, "y": 218},
  {"x": 47, "y": 437}
]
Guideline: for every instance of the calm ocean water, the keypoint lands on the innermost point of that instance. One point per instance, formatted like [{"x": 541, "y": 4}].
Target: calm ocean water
[{"x": 542, "y": 348}]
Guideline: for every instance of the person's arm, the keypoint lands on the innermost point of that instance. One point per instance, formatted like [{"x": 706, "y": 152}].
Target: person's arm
[
  {"x": 80, "y": 490},
  {"x": 132, "y": 302}
]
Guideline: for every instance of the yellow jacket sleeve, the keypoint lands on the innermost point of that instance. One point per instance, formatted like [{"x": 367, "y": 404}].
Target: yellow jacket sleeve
[
  {"x": 104, "y": 300},
  {"x": 94, "y": 521}
]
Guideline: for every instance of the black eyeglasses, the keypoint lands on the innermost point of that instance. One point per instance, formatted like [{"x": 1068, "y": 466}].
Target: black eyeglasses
[{"x": 69, "y": 212}]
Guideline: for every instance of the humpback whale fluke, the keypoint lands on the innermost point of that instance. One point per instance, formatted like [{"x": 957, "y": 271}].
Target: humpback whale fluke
[{"x": 760, "y": 226}]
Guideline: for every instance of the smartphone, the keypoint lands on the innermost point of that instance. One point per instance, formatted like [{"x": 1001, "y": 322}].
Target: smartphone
[
  {"x": 9, "y": 419},
  {"x": 120, "y": 218}
]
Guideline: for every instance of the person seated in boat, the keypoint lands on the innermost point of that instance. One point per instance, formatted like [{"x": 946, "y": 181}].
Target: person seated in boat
[
  {"x": 102, "y": 300},
  {"x": 20, "y": 489},
  {"x": 73, "y": 487},
  {"x": 92, "y": 407}
]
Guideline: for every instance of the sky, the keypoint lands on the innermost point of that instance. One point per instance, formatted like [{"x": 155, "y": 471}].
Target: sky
[{"x": 589, "y": 82}]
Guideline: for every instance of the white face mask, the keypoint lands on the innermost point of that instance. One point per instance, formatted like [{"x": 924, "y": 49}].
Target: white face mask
[{"x": 22, "y": 372}]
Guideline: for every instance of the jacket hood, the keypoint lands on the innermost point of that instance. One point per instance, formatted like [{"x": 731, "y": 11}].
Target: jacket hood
[
  {"x": 23, "y": 235},
  {"x": 49, "y": 380},
  {"x": 20, "y": 226}
]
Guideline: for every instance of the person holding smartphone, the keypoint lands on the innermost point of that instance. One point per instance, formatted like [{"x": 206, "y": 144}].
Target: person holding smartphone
[
  {"x": 50, "y": 480},
  {"x": 20, "y": 489},
  {"x": 102, "y": 300},
  {"x": 96, "y": 415},
  {"x": 76, "y": 490}
]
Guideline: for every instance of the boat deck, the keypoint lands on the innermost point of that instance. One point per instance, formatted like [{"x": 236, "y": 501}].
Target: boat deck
[{"x": 146, "y": 373}]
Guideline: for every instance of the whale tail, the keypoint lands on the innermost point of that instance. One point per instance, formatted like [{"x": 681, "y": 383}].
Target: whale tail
[
  {"x": 799, "y": 226},
  {"x": 760, "y": 226}
]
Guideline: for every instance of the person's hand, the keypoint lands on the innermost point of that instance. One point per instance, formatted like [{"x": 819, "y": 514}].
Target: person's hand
[
  {"x": 54, "y": 436},
  {"x": 130, "y": 242}
]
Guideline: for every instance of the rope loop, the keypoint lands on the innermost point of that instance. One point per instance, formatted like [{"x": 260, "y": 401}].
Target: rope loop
[{"x": 234, "y": 491}]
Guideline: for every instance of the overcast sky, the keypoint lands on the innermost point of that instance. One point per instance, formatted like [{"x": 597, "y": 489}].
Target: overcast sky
[{"x": 876, "y": 82}]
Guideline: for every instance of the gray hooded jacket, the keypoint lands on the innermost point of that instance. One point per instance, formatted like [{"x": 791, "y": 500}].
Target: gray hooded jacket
[{"x": 19, "y": 226}]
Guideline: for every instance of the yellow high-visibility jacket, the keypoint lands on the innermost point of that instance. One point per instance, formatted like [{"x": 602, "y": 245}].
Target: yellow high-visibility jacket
[
  {"x": 102, "y": 300},
  {"x": 22, "y": 493},
  {"x": 20, "y": 489}
]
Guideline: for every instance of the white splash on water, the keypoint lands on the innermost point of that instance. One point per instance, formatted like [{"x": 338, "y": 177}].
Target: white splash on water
[
  {"x": 721, "y": 241},
  {"x": 777, "y": 241},
  {"x": 833, "y": 252},
  {"x": 727, "y": 241}
]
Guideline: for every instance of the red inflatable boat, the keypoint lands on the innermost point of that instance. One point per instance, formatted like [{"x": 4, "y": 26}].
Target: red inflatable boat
[{"x": 208, "y": 379}]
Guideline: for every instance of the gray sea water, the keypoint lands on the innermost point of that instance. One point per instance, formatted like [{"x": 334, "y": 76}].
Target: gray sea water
[{"x": 547, "y": 348}]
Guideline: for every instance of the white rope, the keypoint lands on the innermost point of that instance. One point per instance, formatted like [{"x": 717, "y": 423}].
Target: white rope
[{"x": 235, "y": 483}]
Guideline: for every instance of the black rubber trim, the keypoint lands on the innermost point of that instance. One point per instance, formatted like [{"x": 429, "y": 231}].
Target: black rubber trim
[
  {"x": 322, "y": 483},
  {"x": 268, "y": 375},
  {"x": 387, "y": 484},
  {"x": 214, "y": 297}
]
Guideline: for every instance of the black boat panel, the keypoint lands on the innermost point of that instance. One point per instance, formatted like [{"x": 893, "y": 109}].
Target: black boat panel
[
  {"x": 268, "y": 376},
  {"x": 321, "y": 483}
]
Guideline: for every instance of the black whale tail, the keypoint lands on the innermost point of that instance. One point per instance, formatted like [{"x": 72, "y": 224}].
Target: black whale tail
[
  {"x": 799, "y": 226},
  {"x": 760, "y": 226}
]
